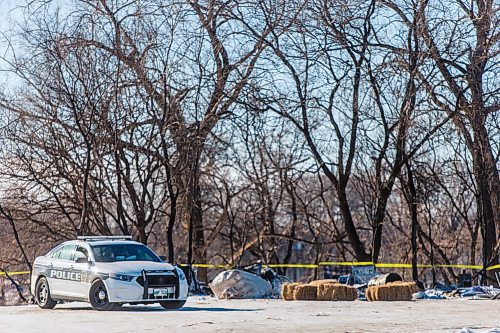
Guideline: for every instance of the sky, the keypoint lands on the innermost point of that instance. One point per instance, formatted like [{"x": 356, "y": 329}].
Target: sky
[
  {"x": 8, "y": 18},
  {"x": 7, "y": 13}
]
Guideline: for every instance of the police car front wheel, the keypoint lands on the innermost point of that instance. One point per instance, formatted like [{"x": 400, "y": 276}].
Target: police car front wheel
[
  {"x": 172, "y": 305},
  {"x": 98, "y": 297},
  {"x": 42, "y": 294}
]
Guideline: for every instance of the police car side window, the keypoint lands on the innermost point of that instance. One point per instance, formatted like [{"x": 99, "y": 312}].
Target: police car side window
[
  {"x": 56, "y": 254},
  {"x": 81, "y": 252},
  {"x": 67, "y": 252}
]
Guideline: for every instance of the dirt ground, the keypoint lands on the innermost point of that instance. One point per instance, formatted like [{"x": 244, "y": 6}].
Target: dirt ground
[{"x": 202, "y": 314}]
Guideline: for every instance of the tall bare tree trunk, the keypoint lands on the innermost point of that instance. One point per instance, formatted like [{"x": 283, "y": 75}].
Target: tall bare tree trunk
[
  {"x": 192, "y": 213},
  {"x": 488, "y": 210},
  {"x": 412, "y": 203}
]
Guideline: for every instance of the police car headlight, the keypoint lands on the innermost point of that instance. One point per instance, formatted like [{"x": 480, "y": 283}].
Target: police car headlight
[
  {"x": 181, "y": 275},
  {"x": 121, "y": 277}
]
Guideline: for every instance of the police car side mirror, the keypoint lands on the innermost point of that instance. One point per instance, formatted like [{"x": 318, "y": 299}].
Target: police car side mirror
[
  {"x": 163, "y": 258},
  {"x": 82, "y": 261}
]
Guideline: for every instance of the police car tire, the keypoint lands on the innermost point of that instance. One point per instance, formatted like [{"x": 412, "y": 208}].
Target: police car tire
[
  {"x": 100, "y": 305},
  {"x": 172, "y": 305},
  {"x": 49, "y": 303}
]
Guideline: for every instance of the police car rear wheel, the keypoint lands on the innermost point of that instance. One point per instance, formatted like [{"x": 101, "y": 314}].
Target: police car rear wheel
[
  {"x": 99, "y": 297},
  {"x": 42, "y": 294},
  {"x": 172, "y": 305}
]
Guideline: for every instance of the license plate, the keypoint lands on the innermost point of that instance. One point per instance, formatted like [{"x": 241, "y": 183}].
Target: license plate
[{"x": 163, "y": 291}]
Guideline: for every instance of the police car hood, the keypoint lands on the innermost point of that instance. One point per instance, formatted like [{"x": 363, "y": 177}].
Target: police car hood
[{"x": 133, "y": 267}]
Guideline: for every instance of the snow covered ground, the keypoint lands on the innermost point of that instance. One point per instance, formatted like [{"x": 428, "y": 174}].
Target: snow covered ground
[{"x": 211, "y": 315}]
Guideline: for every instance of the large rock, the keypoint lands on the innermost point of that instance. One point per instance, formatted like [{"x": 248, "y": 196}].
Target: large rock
[{"x": 236, "y": 284}]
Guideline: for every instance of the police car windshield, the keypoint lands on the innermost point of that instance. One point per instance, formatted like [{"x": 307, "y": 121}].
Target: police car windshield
[{"x": 123, "y": 252}]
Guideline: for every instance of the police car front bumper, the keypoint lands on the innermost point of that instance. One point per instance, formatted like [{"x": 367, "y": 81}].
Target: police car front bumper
[{"x": 133, "y": 292}]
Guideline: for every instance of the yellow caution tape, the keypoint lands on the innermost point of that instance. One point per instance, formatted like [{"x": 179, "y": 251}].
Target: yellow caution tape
[
  {"x": 325, "y": 263},
  {"x": 345, "y": 263},
  {"x": 493, "y": 267},
  {"x": 206, "y": 265},
  {"x": 393, "y": 265},
  {"x": 387, "y": 265},
  {"x": 15, "y": 273},
  {"x": 357, "y": 263},
  {"x": 460, "y": 266},
  {"x": 211, "y": 266},
  {"x": 384, "y": 265},
  {"x": 292, "y": 266}
]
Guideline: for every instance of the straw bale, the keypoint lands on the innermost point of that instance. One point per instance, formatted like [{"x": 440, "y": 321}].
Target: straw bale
[
  {"x": 321, "y": 282},
  {"x": 340, "y": 293},
  {"x": 325, "y": 292},
  {"x": 373, "y": 294},
  {"x": 351, "y": 293},
  {"x": 368, "y": 294},
  {"x": 407, "y": 289},
  {"x": 287, "y": 291},
  {"x": 413, "y": 287},
  {"x": 336, "y": 292},
  {"x": 394, "y": 291},
  {"x": 383, "y": 293},
  {"x": 305, "y": 293},
  {"x": 379, "y": 294}
]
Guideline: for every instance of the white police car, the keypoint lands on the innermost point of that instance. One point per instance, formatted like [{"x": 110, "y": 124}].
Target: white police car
[{"x": 107, "y": 272}]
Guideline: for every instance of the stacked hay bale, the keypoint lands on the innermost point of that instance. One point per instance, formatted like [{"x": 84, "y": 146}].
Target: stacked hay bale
[
  {"x": 305, "y": 293},
  {"x": 325, "y": 281},
  {"x": 336, "y": 292},
  {"x": 287, "y": 291},
  {"x": 320, "y": 290},
  {"x": 394, "y": 291}
]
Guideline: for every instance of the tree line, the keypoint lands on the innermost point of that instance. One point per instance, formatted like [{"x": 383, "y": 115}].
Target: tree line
[{"x": 274, "y": 130}]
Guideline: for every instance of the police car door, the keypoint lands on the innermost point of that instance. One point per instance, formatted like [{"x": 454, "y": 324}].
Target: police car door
[
  {"x": 60, "y": 269},
  {"x": 78, "y": 282}
]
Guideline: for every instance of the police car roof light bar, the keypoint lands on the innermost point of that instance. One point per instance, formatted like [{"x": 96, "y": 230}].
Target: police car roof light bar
[{"x": 88, "y": 238}]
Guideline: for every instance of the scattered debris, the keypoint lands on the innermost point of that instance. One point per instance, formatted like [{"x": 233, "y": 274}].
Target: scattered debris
[
  {"x": 202, "y": 300},
  {"x": 429, "y": 294},
  {"x": 465, "y": 279},
  {"x": 269, "y": 275},
  {"x": 479, "y": 330},
  {"x": 443, "y": 292},
  {"x": 444, "y": 288},
  {"x": 194, "y": 324},
  {"x": 479, "y": 292},
  {"x": 363, "y": 274},
  {"x": 322, "y": 314}
]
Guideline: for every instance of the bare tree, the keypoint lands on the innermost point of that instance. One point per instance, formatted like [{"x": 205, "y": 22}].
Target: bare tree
[{"x": 464, "y": 68}]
